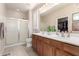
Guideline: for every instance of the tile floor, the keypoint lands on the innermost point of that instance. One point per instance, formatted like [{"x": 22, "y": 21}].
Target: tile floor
[{"x": 19, "y": 51}]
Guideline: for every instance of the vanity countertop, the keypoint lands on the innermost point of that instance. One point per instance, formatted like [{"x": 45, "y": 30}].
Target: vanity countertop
[{"x": 74, "y": 40}]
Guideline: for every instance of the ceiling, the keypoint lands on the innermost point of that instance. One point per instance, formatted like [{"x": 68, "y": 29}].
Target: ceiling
[
  {"x": 24, "y": 7},
  {"x": 47, "y": 8},
  {"x": 21, "y": 6},
  {"x": 18, "y": 6},
  {"x": 13, "y": 9}
]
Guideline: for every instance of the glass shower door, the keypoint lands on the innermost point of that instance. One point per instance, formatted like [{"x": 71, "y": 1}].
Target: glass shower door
[{"x": 11, "y": 31}]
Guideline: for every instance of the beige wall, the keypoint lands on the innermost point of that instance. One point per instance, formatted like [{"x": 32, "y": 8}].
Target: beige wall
[{"x": 51, "y": 18}]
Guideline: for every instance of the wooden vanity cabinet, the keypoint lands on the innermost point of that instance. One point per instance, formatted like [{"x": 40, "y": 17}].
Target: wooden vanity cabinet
[
  {"x": 74, "y": 50},
  {"x": 41, "y": 46},
  {"x": 51, "y": 47}
]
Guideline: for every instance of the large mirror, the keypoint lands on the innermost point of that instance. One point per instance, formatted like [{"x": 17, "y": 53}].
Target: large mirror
[{"x": 75, "y": 21}]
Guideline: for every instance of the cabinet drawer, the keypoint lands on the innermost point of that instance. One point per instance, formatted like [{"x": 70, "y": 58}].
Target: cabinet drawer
[
  {"x": 40, "y": 38},
  {"x": 74, "y": 50},
  {"x": 56, "y": 44},
  {"x": 34, "y": 36},
  {"x": 45, "y": 40}
]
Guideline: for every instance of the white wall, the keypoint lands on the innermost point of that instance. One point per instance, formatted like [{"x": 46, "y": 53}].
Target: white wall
[
  {"x": 2, "y": 9},
  {"x": 51, "y": 18},
  {"x": 2, "y": 12}
]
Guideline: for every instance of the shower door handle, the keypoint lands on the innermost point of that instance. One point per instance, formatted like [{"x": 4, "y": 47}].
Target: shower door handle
[{"x": 1, "y": 30}]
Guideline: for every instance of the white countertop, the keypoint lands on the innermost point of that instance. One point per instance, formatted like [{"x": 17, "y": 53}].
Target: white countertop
[{"x": 74, "y": 40}]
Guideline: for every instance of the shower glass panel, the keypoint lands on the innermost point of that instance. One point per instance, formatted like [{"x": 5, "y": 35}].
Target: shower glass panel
[
  {"x": 23, "y": 28},
  {"x": 11, "y": 31},
  {"x": 16, "y": 31}
]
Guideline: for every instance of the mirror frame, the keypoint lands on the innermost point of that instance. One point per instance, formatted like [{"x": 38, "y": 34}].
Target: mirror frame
[{"x": 73, "y": 21}]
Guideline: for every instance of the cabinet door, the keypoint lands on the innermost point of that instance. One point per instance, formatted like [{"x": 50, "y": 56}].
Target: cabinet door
[
  {"x": 39, "y": 47},
  {"x": 61, "y": 53},
  {"x": 48, "y": 50},
  {"x": 34, "y": 43}
]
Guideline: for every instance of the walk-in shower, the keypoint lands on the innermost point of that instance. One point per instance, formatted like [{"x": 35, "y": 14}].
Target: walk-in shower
[{"x": 16, "y": 31}]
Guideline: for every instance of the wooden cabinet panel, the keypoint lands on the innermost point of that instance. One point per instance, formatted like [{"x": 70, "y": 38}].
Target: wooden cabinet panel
[
  {"x": 41, "y": 49},
  {"x": 61, "y": 53},
  {"x": 74, "y": 50},
  {"x": 56, "y": 44},
  {"x": 48, "y": 50},
  {"x": 38, "y": 47}
]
